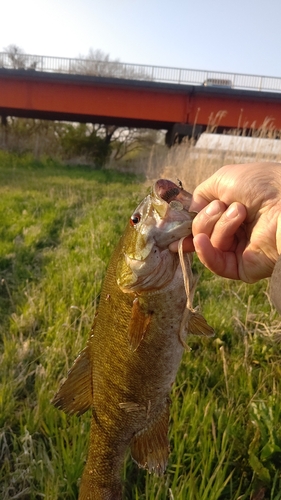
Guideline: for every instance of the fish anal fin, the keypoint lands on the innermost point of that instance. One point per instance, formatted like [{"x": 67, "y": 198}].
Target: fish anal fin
[
  {"x": 138, "y": 325},
  {"x": 75, "y": 394},
  {"x": 150, "y": 447},
  {"x": 197, "y": 325}
]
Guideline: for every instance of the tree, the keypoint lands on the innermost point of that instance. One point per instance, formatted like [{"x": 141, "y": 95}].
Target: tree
[
  {"x": 18, "y": 59},
  {"x": 98, "y": 63},
  {"x": 39, "y": 137},
  {"x": 83, "y": 140},
  {"x": 16, "y": 56}
]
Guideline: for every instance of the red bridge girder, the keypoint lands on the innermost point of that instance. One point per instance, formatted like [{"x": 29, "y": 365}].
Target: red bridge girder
[{"x": 134, "y": 103}]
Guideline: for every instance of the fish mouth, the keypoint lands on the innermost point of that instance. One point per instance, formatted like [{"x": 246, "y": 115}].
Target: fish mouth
[
  {"x": 168, "y": 191},
  {"x": 171, "y": 202}
]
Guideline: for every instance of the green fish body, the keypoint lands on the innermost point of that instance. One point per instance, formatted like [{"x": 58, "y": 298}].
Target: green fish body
[{"x": 129, "y": 364}]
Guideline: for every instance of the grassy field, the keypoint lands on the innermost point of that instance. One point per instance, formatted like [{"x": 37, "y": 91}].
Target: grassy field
[{"x": 58, "y": 227}]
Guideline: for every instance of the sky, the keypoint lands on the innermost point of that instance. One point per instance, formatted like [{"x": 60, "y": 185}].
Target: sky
[{"x": 241, "y": 36}]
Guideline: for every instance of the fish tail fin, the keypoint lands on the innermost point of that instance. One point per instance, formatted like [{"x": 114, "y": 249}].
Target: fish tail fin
[{"x": 90, "y": 490}]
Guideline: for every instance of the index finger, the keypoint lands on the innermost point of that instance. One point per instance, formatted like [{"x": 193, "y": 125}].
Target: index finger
[
  {"x": 198, "y": 202},
  {"x": 204, "y": 193}
]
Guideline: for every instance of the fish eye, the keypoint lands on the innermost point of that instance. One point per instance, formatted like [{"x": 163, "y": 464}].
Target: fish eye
[{"x": 135, "y": 218}]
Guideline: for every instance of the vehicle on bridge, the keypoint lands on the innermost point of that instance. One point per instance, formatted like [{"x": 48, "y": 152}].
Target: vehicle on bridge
[{"x": 217, "y": 82}]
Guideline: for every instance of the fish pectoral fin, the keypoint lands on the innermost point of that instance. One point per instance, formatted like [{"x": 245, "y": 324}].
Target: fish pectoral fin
[
  {"x": 138, "y": 325},
  {"x": 197, "y": 325},
  {"x": 75, "y": 394},
  {"x": 150, "y": 447}
]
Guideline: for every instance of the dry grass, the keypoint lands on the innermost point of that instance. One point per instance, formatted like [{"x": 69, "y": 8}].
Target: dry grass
[{"x": 192, "y": 163}]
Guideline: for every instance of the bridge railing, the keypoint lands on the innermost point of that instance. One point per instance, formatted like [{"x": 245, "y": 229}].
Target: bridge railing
[{"x": 118, "y": 69}]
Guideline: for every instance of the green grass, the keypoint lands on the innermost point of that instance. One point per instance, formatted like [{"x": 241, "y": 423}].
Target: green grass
[{"x": 58, "y": 228}]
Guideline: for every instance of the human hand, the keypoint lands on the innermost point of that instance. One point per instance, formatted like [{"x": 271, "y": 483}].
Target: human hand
[{"x": 237, "y": 232}]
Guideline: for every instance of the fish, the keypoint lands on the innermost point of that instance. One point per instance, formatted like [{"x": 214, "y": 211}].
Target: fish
[{"x": 125, "y": 373}]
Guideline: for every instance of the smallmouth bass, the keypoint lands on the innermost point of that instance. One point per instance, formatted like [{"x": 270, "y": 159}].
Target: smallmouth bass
[{"x": 125, "y": 373}]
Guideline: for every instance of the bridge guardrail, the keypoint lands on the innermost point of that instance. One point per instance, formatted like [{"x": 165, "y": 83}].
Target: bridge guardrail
[{"x": 118, "y": 69}]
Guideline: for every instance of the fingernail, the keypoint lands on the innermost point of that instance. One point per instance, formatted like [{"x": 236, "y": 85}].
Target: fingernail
[
  {"x": 231, "y": 212},
  {"x": 213, "y": 208}
]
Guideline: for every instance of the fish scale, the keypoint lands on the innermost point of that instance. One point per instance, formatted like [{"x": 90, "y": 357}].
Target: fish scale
[{"x": 126, "y": 371}]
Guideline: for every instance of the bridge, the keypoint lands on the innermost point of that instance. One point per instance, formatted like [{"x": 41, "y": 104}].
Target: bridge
[{"x": 183, "y": 102}]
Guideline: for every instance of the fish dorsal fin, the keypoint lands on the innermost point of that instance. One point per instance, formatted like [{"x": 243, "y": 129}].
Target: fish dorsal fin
[
  {"x": 138, "y": 325},
  {"x": 275, "y": 285},
  {"x": 75, "y": 394},
  {"x": 150, "y": 447},
  {"x": 197, "y": 325}
]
